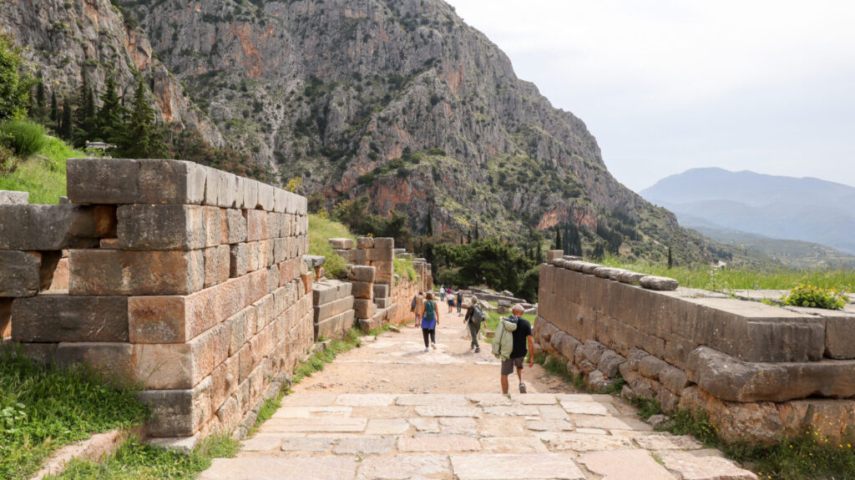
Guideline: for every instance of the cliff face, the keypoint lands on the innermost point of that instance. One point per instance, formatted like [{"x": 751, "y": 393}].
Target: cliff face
[
  {"x": 398, "y": 100},
  {"x": 63, "y": 39}
]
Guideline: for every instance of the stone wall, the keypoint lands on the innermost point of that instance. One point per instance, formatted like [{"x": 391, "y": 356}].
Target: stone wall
[
  {"x": 333, "y": 308},
  {"x": 760, "y": 372},
  {"x": 184, "y": 279}
]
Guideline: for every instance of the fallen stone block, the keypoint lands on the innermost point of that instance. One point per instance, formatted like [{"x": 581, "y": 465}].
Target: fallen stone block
[
  {"x": 24, "y": 274},
  {"x": 161, "y": 227},
  {"x": 55, "y": 227},
  {"x": 119, "y": 181},
  {"x": 652, "y": 366},
  {"x": 652, "y": 282},
  {"x": 115, "y": 272},
  {"x": 8, "y": 197},
  {"x": 54, "y": 318}
]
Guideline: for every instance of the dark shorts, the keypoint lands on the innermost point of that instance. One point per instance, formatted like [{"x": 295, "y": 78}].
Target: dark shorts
[{"x": 508, "y": 365}]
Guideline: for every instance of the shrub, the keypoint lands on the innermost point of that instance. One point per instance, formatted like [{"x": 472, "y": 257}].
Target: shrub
[
  {"x": 23, "y": 136},
  {"x": 807, "y": 295}
]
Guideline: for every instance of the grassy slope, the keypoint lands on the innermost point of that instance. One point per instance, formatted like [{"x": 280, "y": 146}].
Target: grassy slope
[
  {"x": 706, "y": 277},
  {"x": 42, "y": 409},
  {"x": 43, "y": 175}
]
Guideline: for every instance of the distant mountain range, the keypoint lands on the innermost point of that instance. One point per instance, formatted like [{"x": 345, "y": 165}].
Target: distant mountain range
[{"x": 755, "y": 210}]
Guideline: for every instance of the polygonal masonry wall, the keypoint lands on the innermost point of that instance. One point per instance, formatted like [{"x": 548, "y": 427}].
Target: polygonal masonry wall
[
  {"x": 760, "y": 372},
  {"x": 183, "y": 279}
]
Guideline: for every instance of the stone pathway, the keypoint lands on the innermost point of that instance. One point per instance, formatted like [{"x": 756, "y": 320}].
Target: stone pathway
[{"x": 367, "y": 416}]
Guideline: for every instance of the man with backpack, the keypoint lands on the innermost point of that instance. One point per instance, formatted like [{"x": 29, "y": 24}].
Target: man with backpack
[
  {"x": 513, "y": 341},
  {"x": 474, "y": 317}
]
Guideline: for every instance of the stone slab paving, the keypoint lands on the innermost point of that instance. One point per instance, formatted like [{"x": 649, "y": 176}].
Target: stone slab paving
[{"x": 465, "y": 436}]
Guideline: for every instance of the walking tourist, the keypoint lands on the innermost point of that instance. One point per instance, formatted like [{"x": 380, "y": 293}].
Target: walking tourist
[
  {"x": 430, "y": 319},
  {"x": 442, "y": 292},
  {"x": 522, "y": 344},
  {"x": 473, "y": 319},
  {"x": 419, "y": 308},
  {"x": 450, "y": 293},
  {"x": 459, "y": 300}
]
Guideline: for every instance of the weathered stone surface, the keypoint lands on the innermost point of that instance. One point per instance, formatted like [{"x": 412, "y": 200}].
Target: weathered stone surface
[
  {"x": 363, "y": 243},
  {"x": 61, "y": 318},
  {"x": 114, "y": 272},
  {"x": 582, "y": 442},
  {"x": 703, "y": 465},
  {"x": 625, "y": 464},
  {"x": 515, "y": 445},
  {"x": 329, "y": 291},
  {"x": 585, "y": 408},
  {"x": 610, "y": 423},
  {"x": 651, "y": 367},
  {"x": 516, "y": 466},
  {"x": 257, "y": 226},
  {"x": 177, "y": 413},
  {"x": 405, "y": 467},
  {"x": 341, "y": 243},
  {"x": 24, "y": 274},
  {"x": 438, "y": 443},
  {"x": 360, "y": 273},
  {"x": 387, "y": 426},
  {"x": 363, "y": 290},
  {"x": 673, "y": 379},
  {"x": 181, "y": 365},
  {"x": 328, "y": 468},
  {"x": 448, "y": 411},
  {"x": 235, "y": 226},
  {"x": 111, "y": 181},
  {"x": 364, "y": 446},
  {"x": 490, "y": 399},
  {"x": 328, "y": 424},
  {"x": 161, "y": 227},
  {"x": 212, "y": 218},
  {"x": 238, "y": 260},
  {"x": 367, "y": 400},
  {"x": 652, "y": 282},
  {"x": 363, "y": 308},
  {"x": 114, "y": 360},
  {"x": 668, "y": 442},
  {"x": 752, "y": 422},
  {"x": 8, "y": 197},
  {"x": 609, "y": 363},
  {"x": 307, "y": 444},
  {"x": 5, "y": 318},
  {"x": 55, "y": 227},
  {"x": 434, "y": 399},
  {"x": 731, "y": 379}
]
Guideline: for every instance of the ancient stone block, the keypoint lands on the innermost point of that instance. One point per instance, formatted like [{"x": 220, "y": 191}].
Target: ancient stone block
[
  {"x": 387, "y": 244},
  {"x": 256, "y": 224},
  {"x": 178, "y": 413},
  {"x": 24, "y": 274},
  {"x": 258, "y": 285},
  {"x": 228, "y": 193},
  {"x": 364, "y": 308},
  {"x": 213, "y": 186},
  {"x": 237, "y": 260},
  {"x": 213, "y": 229},
  {"x": 53, "y": 318},
  {"x": 114, "y": 360},
  {"x": 8, "y": 197},
  {"x": 112, "y": 181},
  {"x": 381, "y": 290},
  {"x": 250, "y": 198},
  {"x": 840, "y": 337},
  {"x": 363, "y": 243},
  {"x": 54, "y": 227},
  {"x": 363, "y": 290},
  {"x": 651, "y": 367},
  {"x": 673, "y": 379},
  {"x": 359, "y": 273},
  {"x": 217, "y": 265},
  {"x": 341, "y": 243},
  {"x": 115, "y": 272},
  {"x": 609, "y": 363},
  {"x": 236, "y": 226},
  {"x": 652, "y": 282},
  {"x": 161, "y": 227},
  {"x": 265, "y": 197},
  {"x": 181, "y": 365}
]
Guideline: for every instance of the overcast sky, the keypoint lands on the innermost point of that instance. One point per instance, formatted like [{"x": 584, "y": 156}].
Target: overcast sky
[{"x": 666, "y": 85}]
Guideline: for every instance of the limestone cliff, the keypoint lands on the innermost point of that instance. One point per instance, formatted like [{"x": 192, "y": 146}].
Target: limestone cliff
[{"x": 65, "y": 39}]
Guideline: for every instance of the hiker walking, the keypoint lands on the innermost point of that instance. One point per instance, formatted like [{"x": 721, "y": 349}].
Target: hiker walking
[
  {"x": 430, "y": 319},
  {"x": 442, "y": 292},
  {"x": 450, "y": 294},
  {"x": 513, "y": 340},
  {"x": 473, "y": 319},
  {"x": 459, "y": 300},
  {"x": 418, "y": 308}
]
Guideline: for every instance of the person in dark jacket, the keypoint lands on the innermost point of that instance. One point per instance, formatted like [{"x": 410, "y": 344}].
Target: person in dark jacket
[{"x": 474, "y": 328}]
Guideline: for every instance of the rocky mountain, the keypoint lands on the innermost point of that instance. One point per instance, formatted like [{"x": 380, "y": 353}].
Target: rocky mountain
[
  {"x": 778, "y": 207},
  {"x": 398, "y": 100},
  {"x": 64, "y": 40}
]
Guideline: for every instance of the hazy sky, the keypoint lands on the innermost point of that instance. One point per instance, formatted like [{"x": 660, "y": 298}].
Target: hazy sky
[{"x": 666, "y": 85}]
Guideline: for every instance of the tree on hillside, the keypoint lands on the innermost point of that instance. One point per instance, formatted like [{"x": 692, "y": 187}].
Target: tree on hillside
[
  {"x": 558, "y": 244},
  {"x": 84, "y": 114},
  {"x": 430, "y": 222},
  {"x": 39, "y": 108},
  {"x": 142, "y": 139},
  {"x": 492, "y": 262},
  {"x": 572, "y": 240},
  {"x": 110, "y": 119},
  {"x": 476, "y": 233},
  {"x": 66, "y": 124},
  {"x": 15, "y": 85},
  {"x": 54, "y": 111}
]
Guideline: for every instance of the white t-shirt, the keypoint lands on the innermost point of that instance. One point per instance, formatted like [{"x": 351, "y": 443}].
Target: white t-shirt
[{"x": 441, "y": 290}]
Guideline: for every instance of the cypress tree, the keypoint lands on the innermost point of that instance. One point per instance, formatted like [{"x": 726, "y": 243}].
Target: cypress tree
[
  {"x": 66, "y": 128},
  {"x": 469, "y": 236},
  {"x": 141, "y": 139},
  {"x": 40, "y": 113},
  {"x": 84, "y": 114},
  {"x": 54, "y": 111},
  {"x": 110, "y": 119},
  {"x": 538, "y": 254},
  {"x": 430, "y": 222},
  {"x": 558, "y": 244},
  {"x": 670, "y": 258},
  {"x": 477, "y": 236}
]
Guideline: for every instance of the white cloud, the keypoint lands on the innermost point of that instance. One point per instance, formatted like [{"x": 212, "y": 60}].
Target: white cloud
[{"x": 678, "y": 84}]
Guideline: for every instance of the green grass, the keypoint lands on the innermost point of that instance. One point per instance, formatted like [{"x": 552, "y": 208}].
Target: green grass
[
  {"x": 320, "y": 231},
  {"x": 43, "y": 175},
  {"x": 404, "y": 269},
  {"x": 43, "y": 409},
  {"x": 138, "y": 461},
  {"x": 316, "y": 362},
  {"x": 706, "y": 277}
]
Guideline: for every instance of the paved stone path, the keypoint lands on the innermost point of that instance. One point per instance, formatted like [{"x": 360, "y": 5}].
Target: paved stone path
[{"x": 367, "y": 417}]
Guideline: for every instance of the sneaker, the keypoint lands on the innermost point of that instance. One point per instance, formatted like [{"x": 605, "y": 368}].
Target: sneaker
[
  {"x": 433, "y": 346},
  {"x": 478, "y": 350},
  {"x": 522, "y": 387},
  {"x": 427, "y": 349}
]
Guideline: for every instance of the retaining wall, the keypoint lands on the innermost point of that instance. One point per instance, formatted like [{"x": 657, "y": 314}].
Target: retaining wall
[
  {"x": 759, "y": 371},
  {"x": 183, "y": 278}
]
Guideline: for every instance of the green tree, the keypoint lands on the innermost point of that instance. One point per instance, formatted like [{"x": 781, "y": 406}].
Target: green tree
[
  {"x": 110, "y": 119},
  {"x": 39, "y": 110},
  {"x": 15, "y": 85},
  {"x": 66, "y": 124},
  {"x": 670, "y": 258},
  {"x": 468, "y": 236},
  {"x": 84, "y": 114},
  {"x": 430, "y": 222},
  {"x": 142, "y": 139},
  {"x": 476, "y": 233},
  {"x": 558, "y": 244},
  {"x": 54, "y": 111},
  {"x": 492, "y": 262}
]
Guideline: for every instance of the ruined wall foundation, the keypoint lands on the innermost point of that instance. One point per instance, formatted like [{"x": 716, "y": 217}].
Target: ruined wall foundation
[
  {"x": 184, "y": 279},
  {"x": 760, "y": 372}
]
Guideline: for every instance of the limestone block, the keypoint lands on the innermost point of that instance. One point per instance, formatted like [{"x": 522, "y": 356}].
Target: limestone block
[
  {"x": 178, "y": 413},
  {"x": 358, "y": 257},
  {"x": 217, "y": 265},
  {"x": 253, "y": 251},
  {"x": 53, "y": 318},
  {"x": 273, "y": 278},
  {"x": 258, "y": 285},
  {"x": 364, "y": 308},
  {"x": 591, "y": 351},
  {"x": 213, "y": 229},
  {"x": 238, "y": 260},
  {"x": 8, "y": 197},
  {"x": 383, "y": 302},
  {"x": 240, "y": 190},
  {"x": 280, "y": 200},
  {"x": 566, "y": 345},
  {"x": 363, "y": 243},
  {"x": 325, "y": 311},
  {"x": 24, "y": 274},
  {"x": 667, "y": 400},
  {"x": 341, "y": 243},
  {"x": 114, "y": 360},
  {"x": 332, "y": 327},
  {"x": 652, "y": 282},
  {"x": 381, "y": 290},
  {"x": 181, "y": 365},
  {"x": 359, "y": 273},
  {"x": 228, "y": 195},
  {"x": 651, "y": 367},
  {"x": 265, "y": 197},
  {"x": 55, "y": 227},
  {"x": 111, "y": 181},
  {"x": 840, "y": 337},
  {"x": 250, "y": 194},
  {"x": 308, "y": 281},
  {"x": 224, "y": 381},
  {"x": 610, "y": 363},
  {"x": 162, "y": 227},
  {"x": 274, "y": 222},
  {"x": 256, "y": 225},
  {"x": 115, "y": 272},
  {"x": 384, "y": 244},
  {"x": 303, "y": 209},
  {"x": 235, "y": 226},
  {"x": 674, "y": 379},
  {"x": 554, "y": 254},
  {"x": 213, "y": 186},
  {"x": 279, "y": 254}
]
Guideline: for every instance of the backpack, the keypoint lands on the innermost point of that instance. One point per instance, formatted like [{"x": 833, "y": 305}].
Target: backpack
[
  {"x": 503, "y": 343},
  {"x": 413, "y": 304},
  {"x": 430, "y": 311},
  {"x": 477, "y": 316}
]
